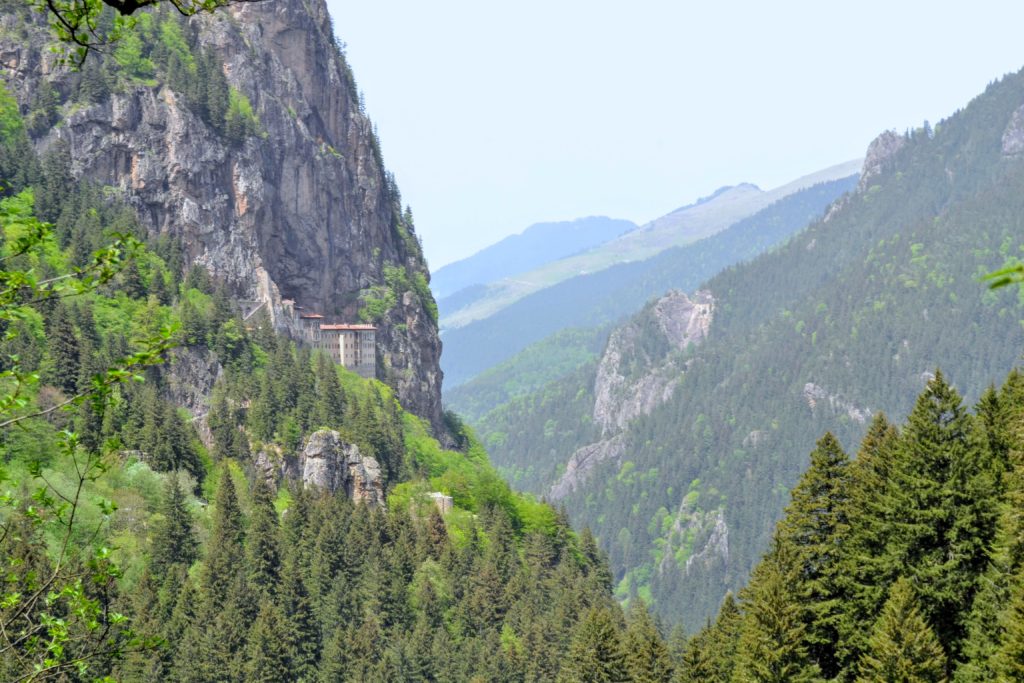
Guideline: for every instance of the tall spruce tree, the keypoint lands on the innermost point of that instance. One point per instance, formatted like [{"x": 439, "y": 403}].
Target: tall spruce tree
[
  {"x": 772, "y": 638},
  {"x": 174, "y": 541},
  {"x": 902, "y": 648},
  {"x": 263, "y": 552},
  {"x": 943, "y": 519},
  {"x": 647, "y": 657},
  {"x": 595, "y": 654},
  {"x": 813, "y": 529}
]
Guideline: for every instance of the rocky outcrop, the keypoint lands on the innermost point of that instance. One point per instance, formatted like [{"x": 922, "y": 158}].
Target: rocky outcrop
[
  {"x": 634, "y": 376},
  {"x": 881, "y": 150},
  {"x": 301, "y": 210},
  {"x": 327, "y": 462},
  {"x": 817, "y": 397},
  {"x": 189, "y": 378},
  {"x": 1013, "y": 136},
  {"x": 638, "y": 371},
  {"x": 583, "y": 461}
]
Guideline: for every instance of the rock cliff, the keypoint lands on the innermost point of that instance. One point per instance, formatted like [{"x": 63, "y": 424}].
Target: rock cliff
[
  {"x": 329, "y": 463},
  {"x": 639, "y": 370},
  {"x": 300, "y": 208}
]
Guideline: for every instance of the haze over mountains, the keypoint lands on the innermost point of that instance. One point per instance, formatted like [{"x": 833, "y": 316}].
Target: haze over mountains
[
  {"x": 538, "y": 244},
  {"x": 595, "y": 299},
  {"x": 680, "y": 449},
  {"x": 687, "y": 224}
]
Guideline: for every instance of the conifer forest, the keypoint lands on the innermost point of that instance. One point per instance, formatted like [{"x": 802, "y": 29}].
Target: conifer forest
[{"x": 783, "y": 444}]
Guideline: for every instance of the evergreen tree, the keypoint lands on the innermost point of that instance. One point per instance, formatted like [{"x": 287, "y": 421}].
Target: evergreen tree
[
  {"x": 902, "y": 647},
  {"x": 772, "y": 635},
  {"x": 595, "y": 655},
  {"x": 263, "y": 553},
  {"x": 266, "y": 653},
  {"x": 63, "y": 350},
  {"x": 943, "y": 520},
  {"x": 225, "y": 551},
  {"x": 647, "y": 657},
  {"x": 867, "y": 572},
  {"x": 813, "y": 529},
  {"x": 174, "y": 541}
]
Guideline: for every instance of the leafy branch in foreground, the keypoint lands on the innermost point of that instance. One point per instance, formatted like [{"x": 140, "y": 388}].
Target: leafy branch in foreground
[
  {"x": 85, "y": 25},
  {"x": 58, "y": 580}
]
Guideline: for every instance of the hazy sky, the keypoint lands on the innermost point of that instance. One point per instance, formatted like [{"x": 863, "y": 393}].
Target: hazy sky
[{"x": 494, "y": 116}]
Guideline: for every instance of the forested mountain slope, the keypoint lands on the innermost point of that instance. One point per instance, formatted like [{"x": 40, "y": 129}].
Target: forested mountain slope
[
  {"x": 609, "y": 295},
  {"x": 186, "y": 494},
  {"x": 685, "y": 225},
  {"x": 533, "y": 247},
  {"x": 850, "y": 317}
]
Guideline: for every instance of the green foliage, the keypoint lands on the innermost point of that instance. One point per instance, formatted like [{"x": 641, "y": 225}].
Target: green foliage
[
  {"x": 239, "y": 120},
  {"x": 741, "y": 420},
  {"x": 902, "y": 647}
]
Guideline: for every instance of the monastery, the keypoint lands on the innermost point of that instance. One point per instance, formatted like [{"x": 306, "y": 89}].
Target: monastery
[{"x": 351, "y": 345}]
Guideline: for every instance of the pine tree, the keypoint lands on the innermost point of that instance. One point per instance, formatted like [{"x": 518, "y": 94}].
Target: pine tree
[
  {"x": 647, "y": 657},
  {"x": 266, "y": 654},
  {"x": 814, "y": 527},
  {"x": 772, "y": 635},
  {"x": 263, "y": 553},
  {"x": 225, "y": 551},
  {"x": 64, "y": 351},
  {"x": 867, "y": 572},
  {"x": 174, "y": 541},
  {"x": 302, "y": 631},
  {"x": 330, "y": 406},
  {"x": 943, "y": 519},
  {"x": 902, "y": 647},
  {"x": 595, "y": 655}
]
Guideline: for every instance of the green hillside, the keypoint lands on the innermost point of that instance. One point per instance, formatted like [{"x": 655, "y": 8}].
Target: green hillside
[
  {"x": 156, "y": 523},
  {"x": 851, "y": 316}
]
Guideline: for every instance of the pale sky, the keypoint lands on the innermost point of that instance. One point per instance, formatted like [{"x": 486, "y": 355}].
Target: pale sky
[{"x": 494, "y": 116}]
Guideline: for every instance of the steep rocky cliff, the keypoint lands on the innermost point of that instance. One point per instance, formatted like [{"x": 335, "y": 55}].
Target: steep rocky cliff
[
  {"x": 638, "y": 372},
  {"x": 298, "y": 206}
]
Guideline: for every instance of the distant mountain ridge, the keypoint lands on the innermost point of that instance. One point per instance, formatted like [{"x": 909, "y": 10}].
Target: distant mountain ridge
[
  {"x": 539, "y": 244},
  {"x": 608, "y": 295},
  {"x": 682, "y": 226}
]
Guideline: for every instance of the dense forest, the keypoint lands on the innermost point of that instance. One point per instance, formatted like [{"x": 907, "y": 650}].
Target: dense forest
[
  {"x": 849, "y": 317},
  {"x": 143, "y": 543},
  {"x": 902, "y": 564}
]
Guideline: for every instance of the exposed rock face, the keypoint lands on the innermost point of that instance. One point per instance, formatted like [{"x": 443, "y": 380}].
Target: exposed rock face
[
  {"x": 630, "y": 380},
  {"x": 1013, "y": 136},
  {"x": 880, "y": 151},
  {"x": 329, "y": 463},
  {"x": 302, "y": 211},
  {"x": 190, "y": 375},
  {"x": 817, "y": 397},
  {"x": 583, "y": 461},
  {"x": 634, "y": 377}
]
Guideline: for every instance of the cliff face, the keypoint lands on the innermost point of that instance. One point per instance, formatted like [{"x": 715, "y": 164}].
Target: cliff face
[
  {"x": 301, "y": 209},
  {"x": 638, "y": 372}
]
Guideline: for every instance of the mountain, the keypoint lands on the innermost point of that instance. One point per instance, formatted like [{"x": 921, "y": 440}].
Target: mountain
[
  {"x": 244, "y": 140},
  {"x": 680, "y": 456},
  {"x": 596, "y": 299},
  {"x": 539, "y": 244},
  {"x": 695, "y": 221},
  {"x": 194, "y": 489}
]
